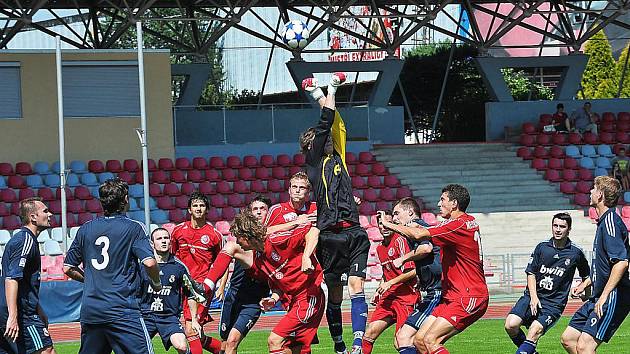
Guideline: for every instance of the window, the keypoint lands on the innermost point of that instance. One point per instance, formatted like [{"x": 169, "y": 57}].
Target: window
[{"x": 10, "y": 96}]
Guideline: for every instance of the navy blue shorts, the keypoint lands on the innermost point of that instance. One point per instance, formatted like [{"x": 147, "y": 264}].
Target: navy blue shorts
[
  {"x": 238, "y": 313},
  {"x": 33, "y": 336},
  {"x": 423, "y": 310},
  {"x": 165, "y": 326},
  {"x": 128, "y": 335},
  {"x": 546, "y": 316},
  {"x": 616, "y": 309}
]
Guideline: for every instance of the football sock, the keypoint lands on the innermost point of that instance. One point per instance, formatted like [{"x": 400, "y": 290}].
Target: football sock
[
  {"x": 211, "y": 344},
  {"x": 407, "y": 350},
  {"x": 519, "y": 339},
  {"x": 528, "y": 347},
  {"x": 279, "y": 351},
  {"x": 195, "y": 345},
  {"x": 333, "y": 316},
  {"x": 367, "y": 345},
  {"x": 358, "y": 310},
  {"x": 218, "y": 268},
  {"x": 440, "y": 350}
]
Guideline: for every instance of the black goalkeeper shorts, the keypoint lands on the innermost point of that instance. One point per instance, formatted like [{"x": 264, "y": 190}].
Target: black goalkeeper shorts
[{"x": 343, "y": 252}]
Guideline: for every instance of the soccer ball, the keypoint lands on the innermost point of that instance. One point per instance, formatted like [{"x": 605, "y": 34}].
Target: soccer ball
[{"x": 295, "y": 34}]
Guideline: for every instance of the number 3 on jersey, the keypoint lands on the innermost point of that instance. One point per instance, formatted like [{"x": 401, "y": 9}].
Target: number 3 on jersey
[{"x": 103, "y": 240}]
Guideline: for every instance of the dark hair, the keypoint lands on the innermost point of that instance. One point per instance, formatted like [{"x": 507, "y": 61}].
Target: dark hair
[
  {"x": 198, "y": 196},
  {"x": 27, "y": 207},
  {"x": 159, "y": 229},
  {"x": 409, "y": 203},
  {"x": 587, "y": 103},
  {"x": 563, "y": 216},
  {"x": 459, "y": 193},
  {"x": 560, "y": 105},
  {"x": 261, "y": 198},
  {"x": 113, "y": 194}
]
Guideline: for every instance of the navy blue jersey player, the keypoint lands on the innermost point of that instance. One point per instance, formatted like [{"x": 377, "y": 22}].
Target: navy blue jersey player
[
  {"x": 549, "y": 277},
  {"x": 22, "y": 319},
  {"x": 598, "y": 319},
  {"x": 241, "y": 309},
  {"x": 112, "y": 249},
  {"x": 162, "y": 309},
  {"x": 426, "y": 257}
]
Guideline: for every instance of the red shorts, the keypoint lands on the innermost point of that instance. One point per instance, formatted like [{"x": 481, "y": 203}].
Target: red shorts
[
  {"x": 392, "y": 309},
  {"x": 203, "y": 316},
  {"x": 461, "y": 312},
  {"x": 303, "y": 316}
]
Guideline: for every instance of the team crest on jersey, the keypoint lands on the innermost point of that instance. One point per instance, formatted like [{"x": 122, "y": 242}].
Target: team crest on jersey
[
  {"x": 45, "y": 330},
  {"x": 275, "y": 256},
  {"x": 390, "y": 252},
  {"x": 171, "y": 279},
  {"x": 290, "y": 216},
  {"x": 205, "y": 239},
  {"x": 279, "y": 275}
]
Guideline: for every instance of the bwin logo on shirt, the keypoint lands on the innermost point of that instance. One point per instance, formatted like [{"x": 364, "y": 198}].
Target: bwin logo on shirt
[{"x": 553, "y": 271}]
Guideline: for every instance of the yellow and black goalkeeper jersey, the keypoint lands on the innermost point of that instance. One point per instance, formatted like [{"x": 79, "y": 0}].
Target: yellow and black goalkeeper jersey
[{"x": 328, "y": 174}]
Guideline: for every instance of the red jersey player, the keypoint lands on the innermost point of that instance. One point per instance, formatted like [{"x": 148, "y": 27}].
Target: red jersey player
[
  {"x": 197, "y": 243},
  {"x": 465, "y": 293},
  {"x": 396, "y": 296}
]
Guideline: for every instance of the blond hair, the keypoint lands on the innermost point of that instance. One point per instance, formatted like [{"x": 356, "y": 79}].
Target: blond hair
[
  {"x": 610, "y": 188},
  {"x": 303, "y": 176}
]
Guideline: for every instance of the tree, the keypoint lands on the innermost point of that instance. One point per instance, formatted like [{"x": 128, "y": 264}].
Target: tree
[
  {"x": 600, "y": 66},
  {"x": 610, "y": 86},
  {"x": 523, "y": 88}
]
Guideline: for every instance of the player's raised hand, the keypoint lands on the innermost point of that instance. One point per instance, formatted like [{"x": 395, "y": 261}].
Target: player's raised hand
[
  {"x": 267, "y": 303},
  {"x": 307, "y": 265},
  {"x": 534, "y": 305},
  {"x": 12, "y": 331}
]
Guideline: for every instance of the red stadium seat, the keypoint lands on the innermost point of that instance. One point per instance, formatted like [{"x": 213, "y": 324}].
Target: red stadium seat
[
  {"x": 555, "y": 164},
  {"x": 275, "y": 186},
  {"x": 178, "y": 176},
  {"x": 590, "y": 138},
  {"x": 278, "y": 172},
  {"x": 84, "y": 217},
  {"x": 75, "y": 206},
  {"x": 607, "y": 138},
  {"x": 623, "y": 117},
  {"x": 23, "y": 168},
  {"x": 379, "y": 169},
  {"x": 351, "y": 158},
  {"x": 524, "y": 152},
  {"x": 195, "y": 176},
  {"x": 358, "y": 182},
  {"x": 552, "y": 176},
  {"x": 623, "y": 126},
  {"x": 575, "y": 139},
  {"x": 362, "y": 170},
  {"x": 257, "y": 186},
  {"x": 608, "y": 117},
  {"x": 246, "y": 174},
  {"x": 267, "y": 161},
  {"x": 369, "y": 195},
  {"x": 625, "y": 211},
  {"x": 293, "y": 170},
  {"x": 176, "y": 216},
  {"x": 113, "y": 166},
  {"x": 557, "y": 152},
  {"x": 207, "y": 188},
  {"x": 171, "y": 190},
  {"x": 11, "y": 222},
  {"x": 364, "y": 221},
  {"x": 559, "y": 139},
  {"x": 366, "y": 209},
  {"x": 583, "y": 187},
  {"x": 622, "y": 137},
  {"x": 283, "y": 160},
  {"x": 283, "y": 197},
  {"x": 403, "y": 192},
  {"x": 539, "y": 164},
  {"x": 229, "y": 174},
  {"x": 607, "y": 126},
  {"x": 96, "y": 166},
  {"x": 139, "y": 177},
  {"x": 4, "y": 210},
  {"x": 527, "y": 140},
  {"x": 131, "y": 165},
  {"x": 55, "y": 206},
  {"x": 541, "y": 152},
  {"x": 429, "y": 218},
  {"x": 182, "y": 163},
  {"x": 250, "y": 161},
  {"x": 233, "y": 162},
  {"x": 127, "y": 177},
  {"x": 582, "y": 199},
  {"x": 262, "y": 173},
  {"x": 217, "y": 201},
  {"x": 543, "y": 139},
  {"x": 383, "y": 205},
  {"x": 25, "y": 193},
  {"x": 235, "y": 200},
  {"x": 212, "y": 175},
  {"x": 240, "y": 187},
  {"x": 299, "y": 160},
  {"x": 374, "y": 182},
  {"x": 199, "y": 163},
  {"x": 545, "y": 119},
  {"x": 15, "y": 208},
  {"x": 160, "y": 177},
  {"x": 223, "y": 227},
  {"x": 6, "y": 169},
  {"x": 366, "y": 157},
  {"x": 585, "y": 174},
  {"x": 45, "y": 193},
  {"x": 223, "y": 187},
  {"x": 571, "y": 163},
  {"x": 216, "y": 162},
  {"x": 374, "y": 234},
  {"x": 187, "y": 188},
  {"x": 8, "y": 195},
  {"x": 592, "y": 214},
  {"x": 387, "y": 194},
  {"x": 16, "y": 182},
  {"x": 228, "y": 213},
  {"x": 570, "y": 175},
  {"x": 181, "y": 202},
  {"x": 391, "y": 181},
  {"x": 82, "y": 193},
  {"x": 155, "y": 190},
  {"x": 529, "y": 128},
  {"x": 166, "y": 164}
]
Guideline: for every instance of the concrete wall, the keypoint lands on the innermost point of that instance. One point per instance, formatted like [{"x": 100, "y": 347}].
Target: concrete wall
[
  {"x": 34, "y": 137},
  {"x": 513, "y": 114}
]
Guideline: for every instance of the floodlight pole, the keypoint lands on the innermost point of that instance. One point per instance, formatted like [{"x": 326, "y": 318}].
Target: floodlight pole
[
  {"x": 143, "y": 130},
  {"x": 62, "y": 153}
]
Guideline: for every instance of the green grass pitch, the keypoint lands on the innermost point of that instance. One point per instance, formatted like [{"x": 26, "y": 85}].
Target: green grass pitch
[{"x": 485, "y": 336}]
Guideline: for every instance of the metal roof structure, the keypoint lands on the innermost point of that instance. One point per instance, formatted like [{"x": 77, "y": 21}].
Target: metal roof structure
[{"x": 195, "y": 25}]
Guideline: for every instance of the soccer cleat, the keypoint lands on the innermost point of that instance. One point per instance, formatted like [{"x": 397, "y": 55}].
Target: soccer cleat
[
  {"x": 337, "y": 79},
  {"x": 309, "y": 84},
  {"x": 195, "y": 289},
  {"x": 356, "y": 350}
]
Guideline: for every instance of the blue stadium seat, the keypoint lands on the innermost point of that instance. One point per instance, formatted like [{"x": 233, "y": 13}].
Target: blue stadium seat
[
  {"x": 603, "y": 162},
  {"x": 136, "y": 215},
  {"x": 89, "y": 179},
  {"x": 587, "y": 162},
  {"x": 3, "y": 183},
  {"x": 52, "y": 181},
  {"x": 136, "y": 191},
  {"x": 94, "y": 191},
  {"x": 159, "y": 216},
  {"x": 600, "y": 172},
  {"x": 43, "y": 236},
  {"x": 78, "y": 166},
  {"x": 589, "y": 151},
  {"x": 5, "y": 236},
  {"x": 604, "y": 150},
  {"x": 133, "y": 205},
  {"x": 573, "y": 151},
  {"x": 55, "y": 167},
  {"x": 56, "y": 233},
  {"x": 72, "y": 180},
  {"x": 152, "y": 204},
  {"x": 626, "y": 197},
  {"x": 102, "y": 177},
  {"x": 34, "y": 181},
  {"x": 52, "y": 248},
  {"x": 41, "y": 168}
]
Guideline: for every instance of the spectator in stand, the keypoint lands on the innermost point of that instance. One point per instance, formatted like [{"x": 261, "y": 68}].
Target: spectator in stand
[
  {"x": 584, "y": 120},
  {"x": 560, "y": 120},
  {"x": 620, "y": 168}
]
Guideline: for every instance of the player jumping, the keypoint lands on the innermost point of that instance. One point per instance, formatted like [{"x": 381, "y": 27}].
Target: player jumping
[
  {"x": 549, "y": 276},
  {"x": 465, "y": 296},
  {"x": 343, "y": 243}
]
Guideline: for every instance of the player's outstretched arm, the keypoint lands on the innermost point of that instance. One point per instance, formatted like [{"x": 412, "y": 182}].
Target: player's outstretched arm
[
  {"x": 336, "y": 80},
  {"x": 415, "y": 233},
  {"x": 153, "y": 271},
  {"x": 74, "y": 273},
  {"x": 310, "y": 85}
]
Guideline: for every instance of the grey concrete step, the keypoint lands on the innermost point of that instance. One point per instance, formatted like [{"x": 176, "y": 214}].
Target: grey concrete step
[
  {"x": 434, "y": 178},
  {"x": 489, "y": 189},
  {"x": 488, "y": 166},
  {"x": 432, "y": 161},
  {"x": 470, "y": 182}
]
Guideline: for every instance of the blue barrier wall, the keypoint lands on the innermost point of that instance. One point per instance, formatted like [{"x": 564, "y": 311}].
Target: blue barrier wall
[{"x": 513, "y": 114}]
